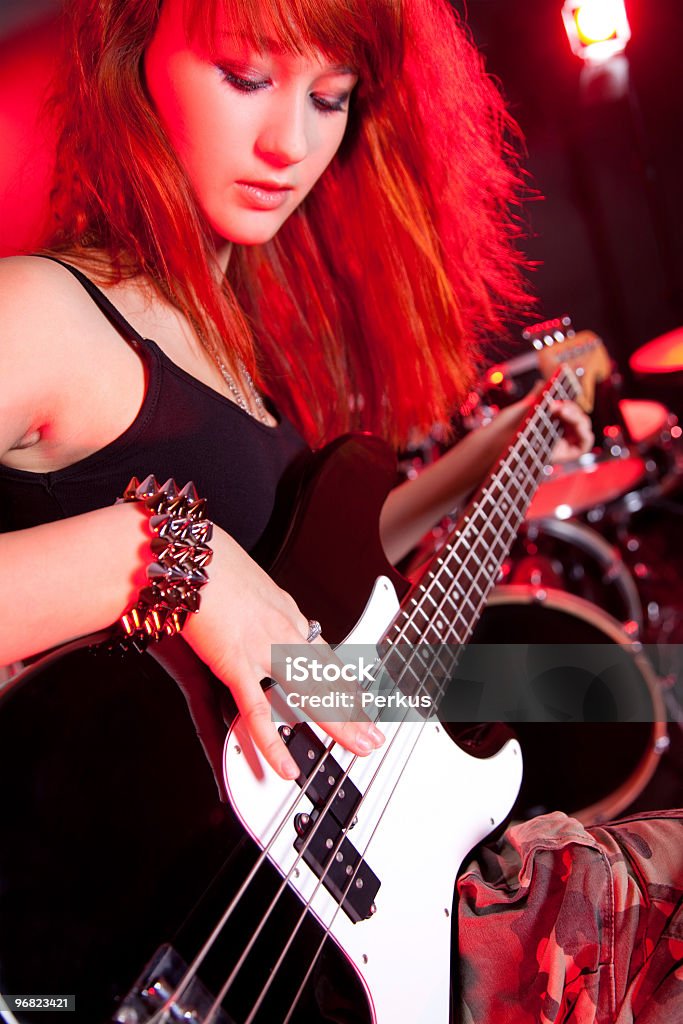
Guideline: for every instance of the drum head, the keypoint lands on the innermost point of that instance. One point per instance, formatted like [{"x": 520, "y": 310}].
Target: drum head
[
  {"x": 591, "y": 769},
  {"x": 574, "y": 488}
]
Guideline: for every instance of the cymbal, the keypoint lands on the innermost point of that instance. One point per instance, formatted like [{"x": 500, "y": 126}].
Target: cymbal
[{"x": 661, "y": 355}]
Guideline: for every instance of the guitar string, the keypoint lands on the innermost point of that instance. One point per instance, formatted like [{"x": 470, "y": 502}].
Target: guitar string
[
  {"x": 329, "y": 863},
  {"x": 275, "y": 968},
  {"x": 541, "y": 411},
  {"x": 324, "y": 755},
  {"x": 327, "y": 930},
  {"x": 452, "y": 555},
  {"x": 526, "y": 500},
  {"x": 518, "y": 510},
  {"x": 321, "y": 944},
  {"x": 254, "y": 939},
  {"x": 349, "y": 885},
  {"x": 196, "y": 963}
]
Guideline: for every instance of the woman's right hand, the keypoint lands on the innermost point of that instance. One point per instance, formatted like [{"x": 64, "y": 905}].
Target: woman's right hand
[{"x": 243, "y": 614}]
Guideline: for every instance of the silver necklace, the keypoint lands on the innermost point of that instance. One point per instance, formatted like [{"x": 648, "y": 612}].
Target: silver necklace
[{"x": 259, "y": 410}]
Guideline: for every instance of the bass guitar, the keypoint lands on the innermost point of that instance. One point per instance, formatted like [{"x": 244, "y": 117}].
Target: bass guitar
[{"x": 154, "y": 869}]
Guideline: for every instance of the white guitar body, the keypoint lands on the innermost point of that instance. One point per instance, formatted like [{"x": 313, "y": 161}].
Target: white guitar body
[{"x": 429, "y": 803}]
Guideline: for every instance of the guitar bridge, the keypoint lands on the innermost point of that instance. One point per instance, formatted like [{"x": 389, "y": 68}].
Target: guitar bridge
[{"x": 151, "y": 997}]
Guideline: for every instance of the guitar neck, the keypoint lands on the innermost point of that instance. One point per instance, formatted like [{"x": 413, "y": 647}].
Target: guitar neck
[{"x": 445, "y": 606}]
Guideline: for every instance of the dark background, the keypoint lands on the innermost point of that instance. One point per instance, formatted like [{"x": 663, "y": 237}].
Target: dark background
[{"x": 607, "y": 234}]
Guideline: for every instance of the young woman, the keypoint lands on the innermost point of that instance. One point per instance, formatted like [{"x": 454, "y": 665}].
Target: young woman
[
  {"x": 306, "y": 201},
  {"x": 192, "y": 140}
]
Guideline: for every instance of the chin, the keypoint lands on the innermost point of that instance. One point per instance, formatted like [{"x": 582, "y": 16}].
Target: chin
[{"x": 257, "y": 230}]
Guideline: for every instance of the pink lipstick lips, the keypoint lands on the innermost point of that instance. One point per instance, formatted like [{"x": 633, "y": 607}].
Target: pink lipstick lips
[{"x": 264, "y": 195}]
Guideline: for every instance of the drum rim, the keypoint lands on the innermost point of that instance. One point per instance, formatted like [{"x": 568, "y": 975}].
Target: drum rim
[
  {"x": 551, "y": 597},
  {"x": 607, "y": 555}
]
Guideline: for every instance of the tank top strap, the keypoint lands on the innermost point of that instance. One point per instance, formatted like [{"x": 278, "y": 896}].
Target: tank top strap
[{"x": 115, "y": 317}]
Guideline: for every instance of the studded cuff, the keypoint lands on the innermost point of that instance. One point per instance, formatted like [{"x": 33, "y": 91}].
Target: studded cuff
[{"x": 181, "y": 548}]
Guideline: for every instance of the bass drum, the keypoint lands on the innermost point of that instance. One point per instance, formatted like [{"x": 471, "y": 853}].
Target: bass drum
[{"x": 593, "y": 769}]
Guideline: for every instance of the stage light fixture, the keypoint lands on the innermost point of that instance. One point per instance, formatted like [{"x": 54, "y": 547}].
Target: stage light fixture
[{"x": 597, "y": 29}]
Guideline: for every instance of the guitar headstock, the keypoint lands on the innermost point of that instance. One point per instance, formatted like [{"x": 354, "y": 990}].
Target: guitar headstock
[{"x": 557, "y": 344}]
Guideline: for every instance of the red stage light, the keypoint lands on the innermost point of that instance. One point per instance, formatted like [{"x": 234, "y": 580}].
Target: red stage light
[
  {"x": 597, "y": 21},
  {"x": 597, "y": 29}
]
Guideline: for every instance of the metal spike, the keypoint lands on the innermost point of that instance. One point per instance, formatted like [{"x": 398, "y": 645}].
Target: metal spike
[
  {"x": 200, "y": 532},
  {"x": 162, "y": 499},
  {"x": 197, "y": 577},
  {"x": 197, "y": 510},
  {"x": 192, "y": 600},
  {"x": 131, "y": 490},
  {"x": 189, "y": 491},
  {"x": 156, "y": 571},
  {"x": 147, "y": 488}
]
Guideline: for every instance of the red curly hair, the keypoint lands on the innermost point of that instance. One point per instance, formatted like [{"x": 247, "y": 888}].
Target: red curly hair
[{"x": 368, "y": 308}]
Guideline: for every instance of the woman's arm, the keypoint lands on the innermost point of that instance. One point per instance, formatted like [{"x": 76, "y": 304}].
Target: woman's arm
[
  {"x": 413, "y": 507},
  {"x": 78, "y": 575}
]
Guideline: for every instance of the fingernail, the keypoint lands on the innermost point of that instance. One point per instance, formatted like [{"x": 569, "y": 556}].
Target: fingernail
[
  {"x": 289, "y": 769},
  {"x": 363, "y": 743},
  {"x": 375, "y": 735}
]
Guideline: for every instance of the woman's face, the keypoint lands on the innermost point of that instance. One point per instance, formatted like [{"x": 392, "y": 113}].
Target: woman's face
[{"x": 254, "y": 131}]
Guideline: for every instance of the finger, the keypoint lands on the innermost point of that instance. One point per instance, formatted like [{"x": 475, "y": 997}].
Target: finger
[
  {"x": 578, "y": 430},
  {"x": 323, "y": 682},
  {"x": 257, "y": 715}
]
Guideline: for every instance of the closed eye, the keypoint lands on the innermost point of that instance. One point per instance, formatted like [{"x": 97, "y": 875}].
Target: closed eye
[
  {"x": 245, "y": 84},
  {"x": 241, "y": 83},
  {"x": 330, "y": 106}
]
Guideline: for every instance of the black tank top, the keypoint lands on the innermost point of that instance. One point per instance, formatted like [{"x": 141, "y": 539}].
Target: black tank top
[{"x": 184, "y": 430}]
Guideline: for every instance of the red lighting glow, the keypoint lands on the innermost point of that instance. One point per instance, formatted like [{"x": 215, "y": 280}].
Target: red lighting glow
[{"x": 597, "y": 29}]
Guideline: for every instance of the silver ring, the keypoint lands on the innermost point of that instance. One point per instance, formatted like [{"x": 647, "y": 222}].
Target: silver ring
[{"x": 314, "y": 630}]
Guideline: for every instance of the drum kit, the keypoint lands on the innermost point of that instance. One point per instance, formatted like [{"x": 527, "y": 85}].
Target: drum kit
[{"x": 596, "y": 562}]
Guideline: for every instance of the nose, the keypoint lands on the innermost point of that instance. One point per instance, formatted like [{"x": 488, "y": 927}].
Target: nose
[{"x": 283, "y": 140}]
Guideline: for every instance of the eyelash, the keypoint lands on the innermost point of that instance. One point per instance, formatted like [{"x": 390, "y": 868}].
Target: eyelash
[{"x": 248, "y": 85}]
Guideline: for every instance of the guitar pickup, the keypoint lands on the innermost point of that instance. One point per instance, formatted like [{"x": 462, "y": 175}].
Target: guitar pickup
[
  {"x": 320, "y": 773},
  {"x": 338, "y": 865}
]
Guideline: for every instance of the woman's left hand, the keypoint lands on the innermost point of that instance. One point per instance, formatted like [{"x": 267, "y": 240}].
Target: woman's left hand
[{"x": 577, "y": 437}]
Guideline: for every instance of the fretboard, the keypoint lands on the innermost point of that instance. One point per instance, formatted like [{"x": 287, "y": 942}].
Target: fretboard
[{"x": 446, "y": 604}]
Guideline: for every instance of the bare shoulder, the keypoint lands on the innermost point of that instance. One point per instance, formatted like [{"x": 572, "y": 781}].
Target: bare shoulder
[{"x": 39, "y": 306}]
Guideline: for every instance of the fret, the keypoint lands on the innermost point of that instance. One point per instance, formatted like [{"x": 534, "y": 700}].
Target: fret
[
  {"x": 444, "y": 567},
  {"x": 547, "y": 421},
  {"x": 512, "y": 479},
  {"x": 543, "y": 442},
  {"x": 426, "y": 596},
  {"x": 531, "y": 451}
]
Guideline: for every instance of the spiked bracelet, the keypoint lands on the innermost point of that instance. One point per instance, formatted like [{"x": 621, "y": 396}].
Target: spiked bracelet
[{"x": 180, "y": 545}]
